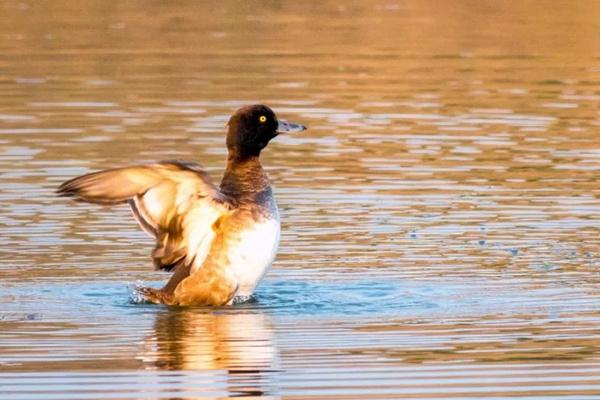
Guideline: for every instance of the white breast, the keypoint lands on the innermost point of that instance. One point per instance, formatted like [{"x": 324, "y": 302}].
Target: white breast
[{"x": 253, "y": 253}]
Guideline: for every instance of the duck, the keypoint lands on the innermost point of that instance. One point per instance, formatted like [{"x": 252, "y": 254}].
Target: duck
[{"x": 218, "y": 242}]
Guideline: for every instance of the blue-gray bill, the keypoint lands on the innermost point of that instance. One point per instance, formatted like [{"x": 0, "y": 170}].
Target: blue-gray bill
[{"x": 289, "y": 127}]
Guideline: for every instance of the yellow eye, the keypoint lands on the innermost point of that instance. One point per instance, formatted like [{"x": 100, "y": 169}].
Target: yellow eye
[{"x": 262, "y": 119}]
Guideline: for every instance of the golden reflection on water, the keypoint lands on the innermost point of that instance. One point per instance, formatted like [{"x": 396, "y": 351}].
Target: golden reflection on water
[
  {"x": 240, "y": 346},
  {"x": 440, "y": 216}
]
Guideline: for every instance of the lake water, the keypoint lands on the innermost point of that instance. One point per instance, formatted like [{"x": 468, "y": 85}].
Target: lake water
[{"x": 441, "y": 216}]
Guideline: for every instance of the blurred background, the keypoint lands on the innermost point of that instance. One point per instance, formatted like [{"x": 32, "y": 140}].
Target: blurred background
[{"x": 440, "y": 216}]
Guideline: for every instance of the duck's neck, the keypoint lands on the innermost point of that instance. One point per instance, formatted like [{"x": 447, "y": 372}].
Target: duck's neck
[{"x": 244, "y": 178}]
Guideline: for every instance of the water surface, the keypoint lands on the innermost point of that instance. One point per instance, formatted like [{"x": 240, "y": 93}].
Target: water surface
[{"x": 441, "y": 216}]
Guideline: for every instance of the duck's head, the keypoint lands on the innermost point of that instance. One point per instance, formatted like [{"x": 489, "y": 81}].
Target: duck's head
[{"x": 252, "y": 127}]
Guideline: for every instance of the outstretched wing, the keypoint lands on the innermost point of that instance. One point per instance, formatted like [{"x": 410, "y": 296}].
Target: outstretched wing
[{"x": 173, "y": 201}]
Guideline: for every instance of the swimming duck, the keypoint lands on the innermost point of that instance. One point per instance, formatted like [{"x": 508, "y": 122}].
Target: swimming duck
[{"x": 218, "y": 241}]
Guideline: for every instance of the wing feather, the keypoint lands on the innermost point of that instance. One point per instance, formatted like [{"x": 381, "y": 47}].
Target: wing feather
[{"x": 175, "y": 202}]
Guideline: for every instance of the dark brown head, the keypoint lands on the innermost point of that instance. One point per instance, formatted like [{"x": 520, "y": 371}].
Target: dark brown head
[{"x": 252, "y": 127}]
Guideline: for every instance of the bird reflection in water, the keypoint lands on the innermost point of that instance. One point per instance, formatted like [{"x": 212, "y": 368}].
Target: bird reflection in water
[{"x": 235, "y": 347}]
